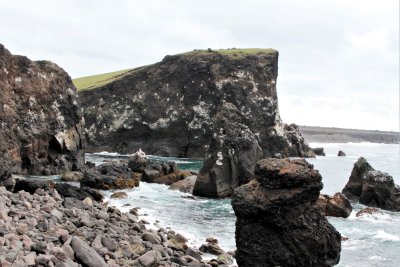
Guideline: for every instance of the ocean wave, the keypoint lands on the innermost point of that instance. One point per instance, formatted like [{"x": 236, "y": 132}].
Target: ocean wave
[
  {"x": 384, "y": 236},
  {"x": 377, "y": 258},
  {"x": 105, "y": 153}
]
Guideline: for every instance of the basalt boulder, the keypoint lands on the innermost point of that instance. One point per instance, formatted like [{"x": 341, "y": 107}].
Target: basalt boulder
[
  {"x": 353, "y": 188},
  {"x": 335, "y": 206},
  {"x": 110, "y": 175},
  {"x": 372, "y": 188},
  {"x": 41, "y": 123},
  {"x": 277, "y": 224},
  {"x": 379, "y": 190}
]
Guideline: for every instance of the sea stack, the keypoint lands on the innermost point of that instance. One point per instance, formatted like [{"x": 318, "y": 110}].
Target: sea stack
[
  {"x": 277, "y": 224},
  {"x": 41, "y": 129},
  {"x": 372, "y": 188}
]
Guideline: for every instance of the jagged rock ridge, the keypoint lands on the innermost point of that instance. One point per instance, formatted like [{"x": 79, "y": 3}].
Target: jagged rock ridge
[
  {"x": 41, "y": 123},
  {"x": 169, "y": 108}
]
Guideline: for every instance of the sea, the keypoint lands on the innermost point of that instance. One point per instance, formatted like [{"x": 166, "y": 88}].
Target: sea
[{"x": 373, "y": 239}]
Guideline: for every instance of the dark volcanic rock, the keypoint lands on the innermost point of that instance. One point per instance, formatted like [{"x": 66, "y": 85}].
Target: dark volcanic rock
[
  {"x": 372, "y": 188},
  {"x": 319, "y": 151},
  {"x": 110, "y": 175},
  {"x": 232, "y": 155},
  {"x": 353, "y": 188},
  {"x": 341, "y": 153},
  {"x": 379, "y": 190},
  {"x": 277, "y": 224},
  {"x": 31, "y": 185},
  {"x": 6, "y": 180},
  {"x": 169, "y": 108},
  {"x": 67, "y": 190},
  {"x": 41, "y": 129},
  {"x": 336, "y": 206}
]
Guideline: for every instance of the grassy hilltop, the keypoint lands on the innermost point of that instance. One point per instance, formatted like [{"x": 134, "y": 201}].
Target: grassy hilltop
[{"x": 94, "y": 81}]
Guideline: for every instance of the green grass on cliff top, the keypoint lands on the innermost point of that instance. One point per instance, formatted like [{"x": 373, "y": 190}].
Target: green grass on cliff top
[
  {"x": 91, "y": 82},
  {"x": 233, "y": 52}
]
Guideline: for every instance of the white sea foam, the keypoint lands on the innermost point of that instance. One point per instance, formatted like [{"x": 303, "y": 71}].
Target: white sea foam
[
  {"x": 105, "y": 153},
  {"x": 377, "y": 258},
  {"x": 384, "y": 236}
]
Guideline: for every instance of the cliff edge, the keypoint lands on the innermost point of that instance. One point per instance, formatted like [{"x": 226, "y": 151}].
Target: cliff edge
[{"x": 169, "y": 108}]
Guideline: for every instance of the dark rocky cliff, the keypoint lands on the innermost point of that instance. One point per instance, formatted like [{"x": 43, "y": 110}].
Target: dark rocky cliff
[
  {"x": 41, "y": 122},
  {"x": 170, "y": 108}
]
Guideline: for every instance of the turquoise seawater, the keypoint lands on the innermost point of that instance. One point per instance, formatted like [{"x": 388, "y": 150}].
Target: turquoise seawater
[{"x": 374, "y": 240}]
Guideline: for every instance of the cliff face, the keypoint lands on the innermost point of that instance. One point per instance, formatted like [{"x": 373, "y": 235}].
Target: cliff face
[
  {"x": 170, "y": 108},
  {"x": 41, "y": 122}
]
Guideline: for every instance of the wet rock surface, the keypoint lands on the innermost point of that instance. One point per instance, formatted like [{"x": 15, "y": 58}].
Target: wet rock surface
[
  {"x": 277, "y": 224},
  {"x": 41, "y": 129},
  {"x": 110, "y": 175},
  {"x": 335, "y": 206},
  {"x": 372, "y": 188}
]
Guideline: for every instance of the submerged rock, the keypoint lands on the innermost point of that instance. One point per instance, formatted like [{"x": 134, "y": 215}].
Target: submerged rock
[
  {"x": 367, "y": 210},
  {"x": 277, "y": 224},
  {"x": 41, "y": 130},
  {"x": 336, "y": 206},
  {"x": 372, "y": 188}
]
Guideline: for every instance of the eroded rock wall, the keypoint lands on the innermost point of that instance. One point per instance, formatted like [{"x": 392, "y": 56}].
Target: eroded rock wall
[
  {"x": 41, "y": 123},
  {"x": 169, "y": 108}
]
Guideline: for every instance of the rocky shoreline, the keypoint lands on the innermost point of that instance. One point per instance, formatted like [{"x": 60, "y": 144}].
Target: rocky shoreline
[{"x": 47, "y": 229}]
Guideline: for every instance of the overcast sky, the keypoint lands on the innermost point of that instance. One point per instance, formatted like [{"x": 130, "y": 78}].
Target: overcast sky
[{"x": 339, "y": 59}]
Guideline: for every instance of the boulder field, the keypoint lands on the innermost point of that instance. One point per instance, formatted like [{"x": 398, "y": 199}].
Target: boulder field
[
  {"x": 46, "y": 229},
  {"x": 41, "y": 123},
  {"x": 277, "y": 224}
]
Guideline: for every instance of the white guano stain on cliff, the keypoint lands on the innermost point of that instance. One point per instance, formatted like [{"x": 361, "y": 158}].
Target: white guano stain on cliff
[
  {"x": 42, "y": 75},
  {"x": 200, "y": 115},
  {"x": 32, "y": 101},
  {"x": 219, "y": 158},
  {"x": 18, "y": 79},
  {"x": 59, "y": 117},
  {"x": 160, "y": 123},
  {"x": 120, "y": 121}
]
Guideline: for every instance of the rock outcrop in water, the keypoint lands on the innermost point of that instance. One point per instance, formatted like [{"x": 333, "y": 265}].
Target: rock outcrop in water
[
  {"x": 41, "y": 124},
  {"x": 335, "y": 206},
  {"x": 372, "y": 188},
  {"x": 277, "y": 224},
  {"x": 169, "y": 108}
]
